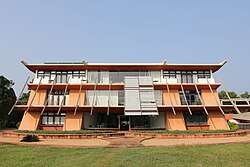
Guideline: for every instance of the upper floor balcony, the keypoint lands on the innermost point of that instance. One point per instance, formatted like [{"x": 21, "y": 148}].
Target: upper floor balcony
[{"x": 117, "y": 77}]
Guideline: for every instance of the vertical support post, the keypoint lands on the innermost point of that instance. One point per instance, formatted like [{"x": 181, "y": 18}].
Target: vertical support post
[
  {"x": 33, "y": 96},
  {"x": 77, "y": 102},
  {"x": 94, "y": 99},
  {"x": 218, "y": 104},
  {"x": 46, "y": 103},
  {"x": 20, "y": 95},
  {"x": 201, "y": 99},
  {"x": 66, "y": 88},
  {"x": 184, "y": 94},
  {"x": 170, "y": 97},
  {"x": 231, "y": 101},
  {"x": 110, "y": 85},
  {"x": 139, "y": 95}
]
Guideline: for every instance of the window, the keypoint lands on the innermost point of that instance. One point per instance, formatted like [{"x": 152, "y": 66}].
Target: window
[
  {"x": 61, "y": 76},
  {"x": 191, "y": 96},
  {"x": 169, "y": 74},
  {"x": 57, "y": 97},
  {"x": 140, "y": 122},
  {"x": 186, "y": 77},
  {"x": 197, "y": 118},
  {"x": 51, "y": 118},
  {"x": 204, "y": 74}
]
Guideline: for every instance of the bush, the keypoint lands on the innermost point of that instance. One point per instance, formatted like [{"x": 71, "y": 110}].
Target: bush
[
  {"x": 30, "y": 138},
  {"x": 233, "y": 126},
  {"x": 18, "y": 124}
]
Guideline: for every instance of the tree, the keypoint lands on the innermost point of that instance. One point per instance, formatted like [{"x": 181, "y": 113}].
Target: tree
[
  {"x": 7, "y": 99},
  {"x": 223, "y": 95},
  {"x": 245, "y": 95}
]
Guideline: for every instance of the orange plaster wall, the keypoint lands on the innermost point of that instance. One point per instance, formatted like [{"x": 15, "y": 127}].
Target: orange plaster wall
[
  {"x": 217, "y": 121},
  {"x": 174, "y": 94},
  {"x": 40, "y": 97},
  {"x": 73, "y": 122},
  {"x": 73, "y": 96},
  {"x": 175, "y": 122},
  {"x": 209, "y": 98},
  {"x": 30, "y": 121}
]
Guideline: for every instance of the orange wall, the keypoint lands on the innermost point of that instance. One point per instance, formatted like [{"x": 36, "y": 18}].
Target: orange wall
[
  {"x": 73, "y": 96},
  {"x": 73, "y": 122},
  {"x": 40, "y": 97},
  {"x": 30, "y": 121},
  {"x": 217, "y": 121},
  {"x": 174, "y": 94},
  {"x": 175, "y": 122},
  {"x": 208, "y": 97}
]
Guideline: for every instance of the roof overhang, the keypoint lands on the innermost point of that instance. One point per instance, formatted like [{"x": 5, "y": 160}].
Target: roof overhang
[{"x": 124, "y": 66}]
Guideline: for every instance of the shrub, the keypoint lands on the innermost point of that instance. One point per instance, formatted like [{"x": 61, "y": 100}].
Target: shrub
[
  {"x": 18, "y": 124},
  {"x": 30, "y": 138},
  {"x": 233, "y": 126}
]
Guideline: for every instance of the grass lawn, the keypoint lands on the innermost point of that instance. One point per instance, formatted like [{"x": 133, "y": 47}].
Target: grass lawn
[{"x": 216, "y": 155}]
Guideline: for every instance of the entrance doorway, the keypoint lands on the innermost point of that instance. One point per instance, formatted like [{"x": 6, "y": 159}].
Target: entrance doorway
[{"x": 124, "y": 122}]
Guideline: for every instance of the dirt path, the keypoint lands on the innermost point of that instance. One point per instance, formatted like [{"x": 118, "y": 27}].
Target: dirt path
[{"x": 196, "y": 141}]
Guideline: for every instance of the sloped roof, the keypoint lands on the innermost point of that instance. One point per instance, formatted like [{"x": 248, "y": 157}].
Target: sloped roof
[{"x": 121, "y": 66}]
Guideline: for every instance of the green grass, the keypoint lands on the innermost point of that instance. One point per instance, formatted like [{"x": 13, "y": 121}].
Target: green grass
[
  {"x": 216, "y": 155},
  {"x": 64, "y": 132},
  {"x": 182, "y": 132}
]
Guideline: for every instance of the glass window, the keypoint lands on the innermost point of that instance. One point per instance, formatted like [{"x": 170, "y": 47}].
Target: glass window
[
  {"x": 191, "y": 96},
  {"x": 61, "y": 76},
  {"x": 140, "y": 122},
  {"x": 197, "y": 118},
  {"x": 51, "y": 118}
]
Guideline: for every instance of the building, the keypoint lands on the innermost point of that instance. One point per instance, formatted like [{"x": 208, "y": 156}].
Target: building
[{"x": 123, "y": 96}]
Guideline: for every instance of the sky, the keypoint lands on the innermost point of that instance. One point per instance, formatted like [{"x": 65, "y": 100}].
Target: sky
[{"x": 127, "y": 31}]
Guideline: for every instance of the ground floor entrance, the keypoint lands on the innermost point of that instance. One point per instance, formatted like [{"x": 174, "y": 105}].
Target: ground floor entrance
[{"x": 124, "y": 122}]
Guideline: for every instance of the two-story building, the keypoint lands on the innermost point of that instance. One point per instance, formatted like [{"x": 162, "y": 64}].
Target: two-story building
[{"x": 123, "y": 96}]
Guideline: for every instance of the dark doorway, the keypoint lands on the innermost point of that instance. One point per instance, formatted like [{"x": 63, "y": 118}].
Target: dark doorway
[{"x": 124, "y": 123}]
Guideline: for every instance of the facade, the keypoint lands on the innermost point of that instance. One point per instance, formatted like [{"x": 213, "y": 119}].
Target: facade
[{"x": 81, "y": 95}]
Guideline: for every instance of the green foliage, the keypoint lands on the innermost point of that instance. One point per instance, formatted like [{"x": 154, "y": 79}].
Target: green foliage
[
  {"x": 182, "y": 131},
  {"x": 65, "y": 132},
  {"x": 245, "y": 95},
  {"x": 7, "y": 99},
  {"x": 233, "y": 126},
  {"x": 30, "y": 138},
  {"x": 24, "y": 99},
  {"x": 18, "y": 124},
  {"x": 223, "y": 95}
]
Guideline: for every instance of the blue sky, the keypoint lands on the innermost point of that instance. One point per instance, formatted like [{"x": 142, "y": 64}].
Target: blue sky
[{"x": 127, "y": 31}]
